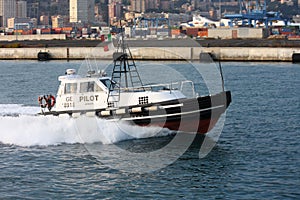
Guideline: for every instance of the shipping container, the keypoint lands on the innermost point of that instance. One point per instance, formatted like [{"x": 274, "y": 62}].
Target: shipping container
[
  {"x": 294, "y": 37},
  {"x": 57, "y": 30},
  {"x": 175, "y": 32},
  {"x": 46, "y": 30},
  {"x": 192, "y": 31},
  {"x": 67, "y": 28},
  {"x": 286, "y": 31},
  {"x": 203, "y": 33},
  {"x": 27, "y": 32},
  {"x": 18, "y": 32}
]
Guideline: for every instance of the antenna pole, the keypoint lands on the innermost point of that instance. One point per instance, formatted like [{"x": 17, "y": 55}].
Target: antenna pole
[
  {"x": 221, "y": 73},
  {"x": 124, "y": 53}
]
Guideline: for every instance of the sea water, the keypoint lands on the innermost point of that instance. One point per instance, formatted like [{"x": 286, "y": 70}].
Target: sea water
[{"x": 256, "y": 156}]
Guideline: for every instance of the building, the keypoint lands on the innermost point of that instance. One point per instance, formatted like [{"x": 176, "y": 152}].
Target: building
[
  {"x": 44, "y": 20},
  {"x": 61, "y": 7},
  {"x": 19, "y": 23},
  {"x": 7, "y": 10},
  {"x": 152, "y": 4},
  {"x": 165, "y": 5},
  {"x": 102, "y": 10},
  {"x": 115, "y": 11},
  {"x": 138, "y": 5},
  {"x": 33, "y": 9},
  {"x": 101, "y": 13},
  {"x": 111, "y": 12},
  {"x": 57, "y": 21},
  {"x": 82, "y": 11},
  {"x": 21, "y": 9}
]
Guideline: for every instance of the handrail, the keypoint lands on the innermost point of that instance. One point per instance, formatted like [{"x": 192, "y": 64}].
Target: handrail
[{"x": 165, "y": 86}]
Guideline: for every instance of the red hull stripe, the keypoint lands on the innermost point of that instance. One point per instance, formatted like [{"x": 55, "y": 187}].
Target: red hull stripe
[{"x": 201, "y": 127}]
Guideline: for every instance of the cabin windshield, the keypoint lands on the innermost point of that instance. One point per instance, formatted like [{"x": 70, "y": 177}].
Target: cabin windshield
[
  {"x": 89, "y": 86},
  {"x": 107, "y": 83},
  {"x": 84, "y": 87},
  {"x": 70, "y": 88}
]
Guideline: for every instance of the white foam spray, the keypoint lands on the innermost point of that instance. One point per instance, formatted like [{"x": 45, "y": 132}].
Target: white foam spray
[
  {"x": 19, "y": 126},
  {"x": 17, "y": 109}
]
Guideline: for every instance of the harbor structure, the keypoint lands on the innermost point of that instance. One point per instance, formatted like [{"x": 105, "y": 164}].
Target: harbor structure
[{"x": 253, "y": 15}]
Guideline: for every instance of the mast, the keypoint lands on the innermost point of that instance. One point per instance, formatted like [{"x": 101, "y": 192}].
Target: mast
[{"x": 125, "y": 76}]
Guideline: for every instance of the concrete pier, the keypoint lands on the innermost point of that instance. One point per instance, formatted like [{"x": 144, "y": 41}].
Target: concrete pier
[
  {"x": 48, "y": 37},
  {"x": 156, "y": 53}
]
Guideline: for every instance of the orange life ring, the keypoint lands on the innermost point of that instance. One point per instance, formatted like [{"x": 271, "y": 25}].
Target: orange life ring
[
  {"x": 51, "y": 101},
  {"x": 47, "y": 101}
]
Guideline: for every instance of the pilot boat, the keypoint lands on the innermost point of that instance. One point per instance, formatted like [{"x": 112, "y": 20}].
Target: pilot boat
[{"x": 123, "y": 96}]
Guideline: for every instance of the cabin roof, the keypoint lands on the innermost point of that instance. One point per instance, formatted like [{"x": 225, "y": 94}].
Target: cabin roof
[{"x": 78, "y": 78}]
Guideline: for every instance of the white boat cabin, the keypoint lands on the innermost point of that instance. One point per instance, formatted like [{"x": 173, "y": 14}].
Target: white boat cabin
[{"x": 77, "y": 93}]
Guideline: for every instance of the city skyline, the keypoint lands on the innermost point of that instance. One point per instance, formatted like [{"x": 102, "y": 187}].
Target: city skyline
[{"x": 111, "y": 11}]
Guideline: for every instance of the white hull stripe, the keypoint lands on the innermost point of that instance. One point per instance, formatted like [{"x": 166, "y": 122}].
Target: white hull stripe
[
  {"x": 166, "y": 115},
  {"x": 171, "y": 106}
]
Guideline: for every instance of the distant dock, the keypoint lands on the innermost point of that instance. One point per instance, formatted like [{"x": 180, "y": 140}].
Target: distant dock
[{"x": 183, "y": 49}]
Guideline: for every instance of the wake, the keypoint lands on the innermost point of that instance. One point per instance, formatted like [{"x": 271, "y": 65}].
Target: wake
[{"x": 20, "y": 126}]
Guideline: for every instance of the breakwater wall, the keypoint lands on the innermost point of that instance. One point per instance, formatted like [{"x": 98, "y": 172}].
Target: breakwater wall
[
  {"x": 32, "y": 37},
  {"x": 156, "y": 53}
]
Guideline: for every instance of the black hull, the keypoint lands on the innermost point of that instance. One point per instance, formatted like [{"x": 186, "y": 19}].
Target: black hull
[
  {"x": 198, "y": 115},
  {"x": 195, "y": 115}
]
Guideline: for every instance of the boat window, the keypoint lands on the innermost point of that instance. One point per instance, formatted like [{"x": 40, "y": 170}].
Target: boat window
[
  {"x": 107, "y": 83},
  {"x": 97, "y": 88},
  {"x": 89, "y": 87},
  {"x": 70, "y": 88}
]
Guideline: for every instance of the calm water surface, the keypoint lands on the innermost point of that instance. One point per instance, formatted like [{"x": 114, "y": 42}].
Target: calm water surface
[{"x": 256, "y": 157}]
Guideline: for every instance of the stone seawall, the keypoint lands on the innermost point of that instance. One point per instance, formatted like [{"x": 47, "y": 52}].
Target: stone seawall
[{"x": 157, "y": 53}]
